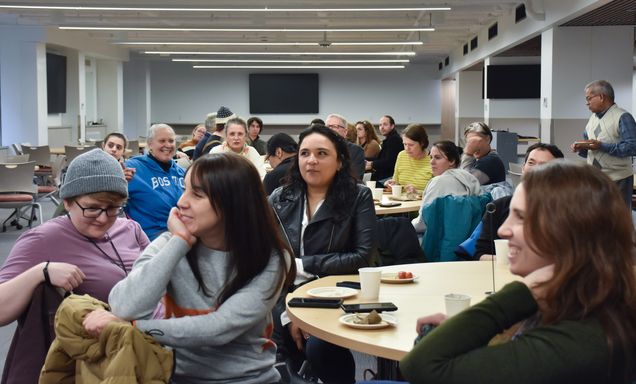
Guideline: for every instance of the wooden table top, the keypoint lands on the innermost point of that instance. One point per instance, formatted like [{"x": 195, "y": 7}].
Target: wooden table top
[
  {"x": 404, "y": 207},
  {"x": 422, "y": 297}
]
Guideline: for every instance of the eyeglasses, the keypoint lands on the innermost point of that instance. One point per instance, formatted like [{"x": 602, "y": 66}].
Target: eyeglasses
[
  {"x": 93, "y": 213},
  {"x": 336, "y": 126},
  {"x": 588, "y": 98}
]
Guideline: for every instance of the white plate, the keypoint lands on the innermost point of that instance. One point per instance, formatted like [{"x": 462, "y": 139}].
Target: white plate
[
  {"x": 391, "y": 278},
  {"x": 333, "y": 292},
  {"x": 387, "y": 320}
]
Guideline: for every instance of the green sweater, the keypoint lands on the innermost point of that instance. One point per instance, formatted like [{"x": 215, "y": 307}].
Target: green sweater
[{"x": 458, "y": 351}]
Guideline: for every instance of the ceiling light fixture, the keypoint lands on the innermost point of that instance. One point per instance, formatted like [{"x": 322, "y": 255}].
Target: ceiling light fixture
[
  {"x": 284, "y": 53},
  {"x": 332, "y": 30},
  {"x": 298, "y": 66},
  {"x": 164, "y": 9},
  {"x": 197, "y": 43},
  {"x": 290, "y": 61}
]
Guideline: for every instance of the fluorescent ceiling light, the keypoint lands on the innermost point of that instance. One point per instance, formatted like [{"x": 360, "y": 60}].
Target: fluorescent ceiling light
[
  {"x": 174, "y": 9},
  {"x": 289, "y": 61},
  {"x": 155, "y": 29},
  {"x": 315, "y": 44},
  {"x": 284, "y": 53},
  {"x": 299, "y": 66}
]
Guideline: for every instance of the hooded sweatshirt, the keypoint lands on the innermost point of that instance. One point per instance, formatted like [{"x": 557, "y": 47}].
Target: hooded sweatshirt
[{"x": 453, "y": 181}]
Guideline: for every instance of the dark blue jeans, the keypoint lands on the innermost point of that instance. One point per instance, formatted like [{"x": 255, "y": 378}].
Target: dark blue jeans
[{"x": 331, "y": 363}]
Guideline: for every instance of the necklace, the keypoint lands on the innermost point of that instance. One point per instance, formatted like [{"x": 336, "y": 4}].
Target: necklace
[{"x": 119, "y": 262}]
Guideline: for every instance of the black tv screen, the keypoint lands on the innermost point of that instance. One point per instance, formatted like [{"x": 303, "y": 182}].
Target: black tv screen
[
  {"x": 56, "y": 83},
  {"x": 283, "y": 93},
  {"x": 514, "y": 81}
]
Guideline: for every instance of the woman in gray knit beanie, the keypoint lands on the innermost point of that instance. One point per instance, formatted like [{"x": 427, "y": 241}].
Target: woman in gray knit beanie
[{"x": 86, "y": 251}]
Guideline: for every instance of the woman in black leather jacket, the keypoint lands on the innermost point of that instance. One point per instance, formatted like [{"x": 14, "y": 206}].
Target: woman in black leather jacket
[{"x": 329, "y": 221}]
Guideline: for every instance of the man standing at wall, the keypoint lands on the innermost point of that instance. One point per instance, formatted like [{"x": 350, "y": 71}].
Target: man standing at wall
[{"x": 610, "y": 138}]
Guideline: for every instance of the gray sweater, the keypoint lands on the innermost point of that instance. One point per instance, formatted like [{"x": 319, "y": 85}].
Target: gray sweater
[{"x": 228, "y": 344}]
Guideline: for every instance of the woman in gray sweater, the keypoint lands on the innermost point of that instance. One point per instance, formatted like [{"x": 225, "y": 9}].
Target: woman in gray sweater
[{"x": 218, "y": 288}]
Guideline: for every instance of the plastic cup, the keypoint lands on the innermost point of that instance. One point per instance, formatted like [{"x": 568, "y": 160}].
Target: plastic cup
[
  {"x": 501, "y": 251},
  {"x": 455, "y": 303},
  {"x": 396, "y": 190},
  {"x": 369, "y": 283},
  {"x": 377, "y": 193},
  {"x": 371, "y": 185}
]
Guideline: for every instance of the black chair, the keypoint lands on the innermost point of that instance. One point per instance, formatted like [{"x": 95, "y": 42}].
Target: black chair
[{"x": 398, "y": 242}]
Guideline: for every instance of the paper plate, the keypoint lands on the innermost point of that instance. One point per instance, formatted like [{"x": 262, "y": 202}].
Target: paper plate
[
  {"x": 332, "y": 292},
  {"x": 392, "y": 278},
  {"x": 387, "y": 320}
]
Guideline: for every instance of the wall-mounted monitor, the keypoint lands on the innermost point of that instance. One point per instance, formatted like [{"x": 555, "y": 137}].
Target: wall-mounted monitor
[
  {"x": 56, "y": 83},
  {"x": 514, "y": 81},
  {"x": 283, "y": 93}
]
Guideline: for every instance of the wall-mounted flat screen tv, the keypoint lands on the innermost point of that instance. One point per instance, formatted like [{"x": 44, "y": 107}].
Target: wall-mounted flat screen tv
[
  {"x": 283, "y": 93},
  {"x": 514, "y": 81},
  {"x": 56, "y": 83}
]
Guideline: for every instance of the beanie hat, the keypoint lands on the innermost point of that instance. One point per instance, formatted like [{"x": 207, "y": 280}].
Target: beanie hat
[
  {"x": 91, "y": 172},
  {"x": 283, "y": 141},
  {"x": 224, "y": 114}
]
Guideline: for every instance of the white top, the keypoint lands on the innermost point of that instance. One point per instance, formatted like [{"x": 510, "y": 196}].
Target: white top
[{"x": 249, "y": 152}]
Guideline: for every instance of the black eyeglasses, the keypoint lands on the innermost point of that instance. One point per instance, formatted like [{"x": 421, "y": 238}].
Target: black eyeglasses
[{"x": 93, "y": 213}]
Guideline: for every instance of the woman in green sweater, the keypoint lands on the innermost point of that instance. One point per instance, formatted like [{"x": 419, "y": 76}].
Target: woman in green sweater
[{"x": 572, "y": 241}]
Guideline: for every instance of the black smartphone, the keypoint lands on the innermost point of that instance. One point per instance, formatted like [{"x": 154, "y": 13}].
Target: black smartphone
[
  {"x": 368, "y": 307},
  {"x": 313, "y": 302},
  {"x": 348, "y": 284}
]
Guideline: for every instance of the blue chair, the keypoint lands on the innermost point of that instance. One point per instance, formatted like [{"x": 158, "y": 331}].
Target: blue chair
[{"x": 449, "y": 221}]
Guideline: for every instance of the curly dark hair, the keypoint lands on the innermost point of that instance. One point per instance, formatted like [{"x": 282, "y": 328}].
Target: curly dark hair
[{"x": 342, "y": 190}]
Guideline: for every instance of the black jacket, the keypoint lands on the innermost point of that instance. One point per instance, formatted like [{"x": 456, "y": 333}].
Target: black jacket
[
  {"x": 384, "y": 165},
  {"x": 335, "y": 243},
  {"x": 272, "y": 179}
]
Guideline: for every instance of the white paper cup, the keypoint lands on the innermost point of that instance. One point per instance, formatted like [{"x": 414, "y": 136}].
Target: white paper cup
[
  {"x": 369, "y": 283},
  {"x": 371, "y": 185},
  {"x": 501, "y": 251},
  {"x": 396, "y": 190},
  {"x": 455, "y": 303},
  {"x": 377, "y": 193}
]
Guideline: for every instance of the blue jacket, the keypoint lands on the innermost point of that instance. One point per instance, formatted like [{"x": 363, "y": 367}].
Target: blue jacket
[
  {"x": 152, "y": 192},
  {"x": 450, "y": 220}
]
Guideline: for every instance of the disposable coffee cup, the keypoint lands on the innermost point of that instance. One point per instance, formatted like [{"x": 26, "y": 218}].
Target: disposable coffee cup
[
  {"x": 501, "y": 251},
  {"x": 396, "y": 190},
  {"x": 455, "y": 303},
  {"x": 377, "y": 193},
  {"x": 369, "y": 283},
  {"x": 371, "y": 185}
]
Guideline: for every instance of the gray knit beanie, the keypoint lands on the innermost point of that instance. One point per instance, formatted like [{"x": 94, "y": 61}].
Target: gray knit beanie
[{"x": 91, "y": 172}]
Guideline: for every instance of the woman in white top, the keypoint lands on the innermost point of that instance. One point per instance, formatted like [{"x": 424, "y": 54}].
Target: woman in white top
[
  {"x": 236, "y": 141},
  {"x": 447, "y": 179}
]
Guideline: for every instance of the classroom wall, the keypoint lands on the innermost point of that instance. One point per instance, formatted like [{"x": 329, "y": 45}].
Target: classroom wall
[{"x": 183, "y": 95}]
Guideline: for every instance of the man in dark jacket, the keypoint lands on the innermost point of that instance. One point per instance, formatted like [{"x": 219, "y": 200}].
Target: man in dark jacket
[
  {"x": 384, "y": 165},
  {"x": 338, "y": 124}
]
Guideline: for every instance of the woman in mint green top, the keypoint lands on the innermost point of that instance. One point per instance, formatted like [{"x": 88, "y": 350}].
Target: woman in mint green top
[{"x": 571, "y": 239}]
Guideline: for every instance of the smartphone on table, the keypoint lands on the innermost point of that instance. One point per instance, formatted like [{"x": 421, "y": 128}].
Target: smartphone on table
[
  {"x": 314, "y": 302},
  {"x": 368, "y": 307}
]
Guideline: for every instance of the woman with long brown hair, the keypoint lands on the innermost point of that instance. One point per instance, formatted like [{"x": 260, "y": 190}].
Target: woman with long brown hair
[
  {"x": 572, "y": 242},
  {"x": 218, "y": 289},
  {"x": 368, "y": 139}
]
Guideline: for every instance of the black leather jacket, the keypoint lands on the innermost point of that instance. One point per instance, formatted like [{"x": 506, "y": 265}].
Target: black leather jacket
[{"x": 335, "y": 243}]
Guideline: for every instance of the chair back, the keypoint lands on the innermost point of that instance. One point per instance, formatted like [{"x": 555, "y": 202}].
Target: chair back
[
  {"x": 515, "y": 178},
  {"x": 18, "y": 178},
  {"x": 16, "y": 149},
  {"x": 4, "y": 153},
  {"x": 40, "y": 154},
  {"x": 366, "y": 177},
  {"x": 15, "y": 159},
  {"x": 133, "y": 145},
  {"x": 72, "y": 151},
  {"x": 449, "y": 221}
]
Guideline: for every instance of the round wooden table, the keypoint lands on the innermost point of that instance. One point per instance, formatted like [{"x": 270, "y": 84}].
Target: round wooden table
[
  {"x": 422, "y": 297},
  {"x": 404, "y": 207}
]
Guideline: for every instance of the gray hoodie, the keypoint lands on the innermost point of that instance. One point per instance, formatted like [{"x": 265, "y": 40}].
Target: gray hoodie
[{"x": 453, "y": 181}]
